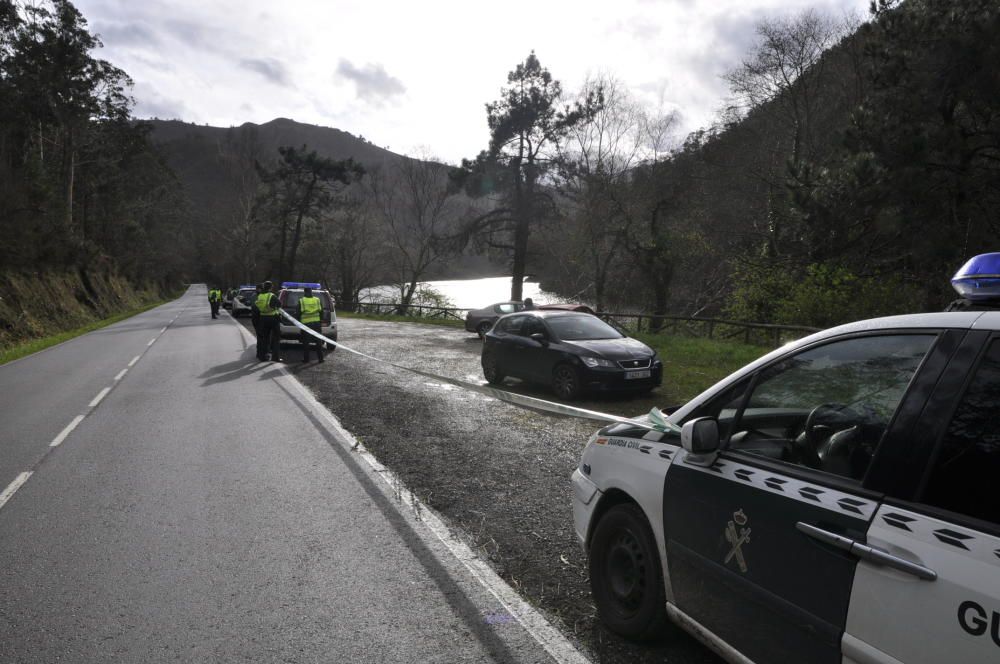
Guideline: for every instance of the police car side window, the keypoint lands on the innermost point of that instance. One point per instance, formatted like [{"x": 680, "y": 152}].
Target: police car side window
[
  {"x": 828, "y": 407},
  {"x": 965, "y": 471}
]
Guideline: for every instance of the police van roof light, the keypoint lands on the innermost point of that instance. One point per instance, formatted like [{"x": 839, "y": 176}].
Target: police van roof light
[
  {"x": 300, "y": 284},
  {"x": 979, "y": 279}
]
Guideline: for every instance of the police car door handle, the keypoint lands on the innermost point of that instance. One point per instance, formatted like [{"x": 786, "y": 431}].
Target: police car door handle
[{"x": 867, "y": 552}]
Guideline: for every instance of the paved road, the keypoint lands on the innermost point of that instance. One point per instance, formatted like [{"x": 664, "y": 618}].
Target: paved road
[{"x": 205, "y": 509}]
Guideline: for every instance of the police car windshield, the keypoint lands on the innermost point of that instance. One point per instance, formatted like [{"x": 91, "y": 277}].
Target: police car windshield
[
  {"x": 579, "y": 328},
  {"x": 248, "y": 295}
]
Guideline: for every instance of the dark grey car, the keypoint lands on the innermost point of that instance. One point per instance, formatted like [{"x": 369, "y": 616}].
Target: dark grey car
[{"x": 481, "y": 320}]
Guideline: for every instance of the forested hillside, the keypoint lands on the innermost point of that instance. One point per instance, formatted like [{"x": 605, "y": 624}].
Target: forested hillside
[
  {"x": 855, "y": 166},
  {"x": 856, "y": 169}
]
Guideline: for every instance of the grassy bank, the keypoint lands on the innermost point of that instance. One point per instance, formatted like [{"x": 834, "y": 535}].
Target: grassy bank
[
  {"x": 690, "y": 364},
  {"x": 28, "y": 347}
]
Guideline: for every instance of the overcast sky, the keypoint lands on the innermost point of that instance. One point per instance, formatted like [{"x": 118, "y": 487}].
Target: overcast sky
[{"x": 414, "y": 76}]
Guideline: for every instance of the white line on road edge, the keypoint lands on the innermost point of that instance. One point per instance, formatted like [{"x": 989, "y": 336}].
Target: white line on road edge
[
  {"x": 14, "y": 486},
  {"x": 121, "y": 373},
  {"x": 540, "y": 629},
  {"x": 533, "y": 622},
  {"x": 151, "y": 341},
  {"x": 67, "y": 431},
  {"x": 100, "y": 395},
  {"x": 134, "y": 360},
  {"x": 164, "y": 329}
]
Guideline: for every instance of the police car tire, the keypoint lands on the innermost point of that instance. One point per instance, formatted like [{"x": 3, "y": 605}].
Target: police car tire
[
  {"x": 483, "y": 328},
  {"x": 625, "y": 577}
]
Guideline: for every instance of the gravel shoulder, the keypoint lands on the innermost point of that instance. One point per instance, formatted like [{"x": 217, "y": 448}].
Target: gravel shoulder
[{"x": 496, "y": 472}]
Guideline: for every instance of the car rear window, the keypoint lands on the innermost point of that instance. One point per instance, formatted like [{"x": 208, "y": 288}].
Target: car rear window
[
  {"x": 578, "y": 328},
  {"x": 292, "y": 300}
]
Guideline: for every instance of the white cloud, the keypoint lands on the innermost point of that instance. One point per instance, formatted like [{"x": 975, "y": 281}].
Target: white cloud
[{"x": 437, "y": 62}]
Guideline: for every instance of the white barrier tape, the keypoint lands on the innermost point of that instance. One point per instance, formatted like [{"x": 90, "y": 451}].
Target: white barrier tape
[{"x": 657, "y": 421}]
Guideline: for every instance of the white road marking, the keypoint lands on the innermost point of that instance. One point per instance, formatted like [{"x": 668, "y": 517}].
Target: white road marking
[
  {"x": 121, "y": 373},
  {"x": 100, "y": 395},
  {"x": 151, "y": 341},
  {"x": 67, "y": 431},
  {"x": 540, "y": 629},
  {"x": 134, "y": 360},
  {"x": 14, "y": 486},
  {"x": 163, "y": 330}
]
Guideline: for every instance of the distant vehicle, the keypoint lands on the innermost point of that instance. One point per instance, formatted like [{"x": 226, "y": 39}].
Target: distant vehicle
[
  {"x": 816, "y": 505},
  {"x": 572, "y": 352},
  {"x": 227, "y": 298},
  {"x": 481, "y": 320},
  {"x": 291, "y": 292},
  {"x": 243, "y": 300}
]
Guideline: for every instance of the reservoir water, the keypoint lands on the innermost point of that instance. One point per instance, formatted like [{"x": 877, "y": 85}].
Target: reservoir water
[{"x": 468, "y": 293}]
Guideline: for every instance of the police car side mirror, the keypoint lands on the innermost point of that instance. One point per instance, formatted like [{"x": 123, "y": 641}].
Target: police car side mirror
[
  {"x": 700, "y": 439},
  {"x": 540, "y": 338}
]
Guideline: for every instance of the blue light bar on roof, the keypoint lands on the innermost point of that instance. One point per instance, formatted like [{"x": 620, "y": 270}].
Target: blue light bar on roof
[
  {"x": 300, "y": 284},
  {"x": 979, "y": 279}
]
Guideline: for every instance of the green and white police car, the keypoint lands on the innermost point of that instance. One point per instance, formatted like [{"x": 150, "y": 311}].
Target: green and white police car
[{"x": 838, "y": 500}]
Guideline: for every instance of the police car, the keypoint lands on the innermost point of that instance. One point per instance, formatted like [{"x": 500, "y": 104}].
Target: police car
[
  {"x": 291, "y": 292},
  {"x": 244, "y": 300},
  {"x": 835, "y": 501}
]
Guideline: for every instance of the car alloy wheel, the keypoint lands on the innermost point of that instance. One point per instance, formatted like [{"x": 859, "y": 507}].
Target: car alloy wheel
[
  {"x": 625, "y": 576},
  {"x": 483, "y": 328},
  {"x": 565, "y": 382}
]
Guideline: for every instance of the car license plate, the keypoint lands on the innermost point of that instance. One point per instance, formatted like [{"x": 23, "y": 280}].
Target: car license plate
[{"x": 630, "y": 375}]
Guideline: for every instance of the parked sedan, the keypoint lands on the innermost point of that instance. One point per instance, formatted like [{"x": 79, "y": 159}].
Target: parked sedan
[
  {"x": 481, "y": 320},
  {"x": 571, "y": 352}
]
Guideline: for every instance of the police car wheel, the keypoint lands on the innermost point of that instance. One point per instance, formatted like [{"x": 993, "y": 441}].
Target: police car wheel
[
  {"x": 625, "y": 577},
  {"x": 331, "y": 347},
  {"x": 565, "y": 382},
  {"x": 490, "y": 371},
  {"x": 482, "y": 329}
]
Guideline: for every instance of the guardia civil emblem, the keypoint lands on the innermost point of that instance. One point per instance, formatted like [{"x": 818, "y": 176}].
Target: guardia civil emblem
[{"x": 737, "y": 534}]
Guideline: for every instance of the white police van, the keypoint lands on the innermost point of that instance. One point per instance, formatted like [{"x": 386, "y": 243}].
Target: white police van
[{"x": 838, "y": 500}]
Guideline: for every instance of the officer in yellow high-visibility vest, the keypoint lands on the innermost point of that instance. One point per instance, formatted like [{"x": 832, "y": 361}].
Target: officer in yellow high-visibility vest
[
  {"x": 269, "y": 329},
  {"x": 310, "y": 314},
  {"x": 214, "y": 300}
]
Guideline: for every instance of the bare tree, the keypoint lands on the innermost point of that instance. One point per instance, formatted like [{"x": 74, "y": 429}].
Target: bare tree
[{"x": 415, "y": 205}]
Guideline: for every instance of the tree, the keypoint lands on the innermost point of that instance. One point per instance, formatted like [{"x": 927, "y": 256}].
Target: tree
[
  {"x": 302, "y": 189},
  {"x": 525, "y": 124},
  {"x": 597, "y": 161},
  {"x": 418, "y": 211},
  {"x": 240, "y": 156},
  {"x": 783, "y": 77}
]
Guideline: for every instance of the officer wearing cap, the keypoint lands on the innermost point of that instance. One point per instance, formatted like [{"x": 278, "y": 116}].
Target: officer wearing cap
[
  {"x": 269, "y": 332},
  {"x": 310, "y": 312}
]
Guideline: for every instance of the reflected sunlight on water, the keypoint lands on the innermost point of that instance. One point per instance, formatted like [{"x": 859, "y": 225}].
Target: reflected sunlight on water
[{"x": 470, "y": 293}]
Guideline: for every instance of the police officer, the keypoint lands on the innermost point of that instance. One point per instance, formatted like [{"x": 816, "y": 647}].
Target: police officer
[
  {"x": 255, "y": 312},
  {"x": 214, "y": 299},
  {"x": 269, "y": 327},
  {"x": 310, "y": 312}
]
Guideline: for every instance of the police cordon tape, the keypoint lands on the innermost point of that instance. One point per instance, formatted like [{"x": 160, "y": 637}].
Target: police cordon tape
[{"x": 656, "y": 422}]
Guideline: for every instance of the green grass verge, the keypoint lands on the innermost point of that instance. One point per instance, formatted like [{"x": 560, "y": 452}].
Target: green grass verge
[
  {"x": 28, "y": 347},
  {"x": 690, "y": 364}
]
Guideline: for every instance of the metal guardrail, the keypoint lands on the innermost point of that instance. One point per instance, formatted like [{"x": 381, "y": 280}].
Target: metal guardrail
[{"x": 695, "y": 326}]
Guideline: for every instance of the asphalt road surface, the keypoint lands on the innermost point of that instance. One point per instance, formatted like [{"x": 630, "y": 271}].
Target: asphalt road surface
[{"x": 166, "y": 497}]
